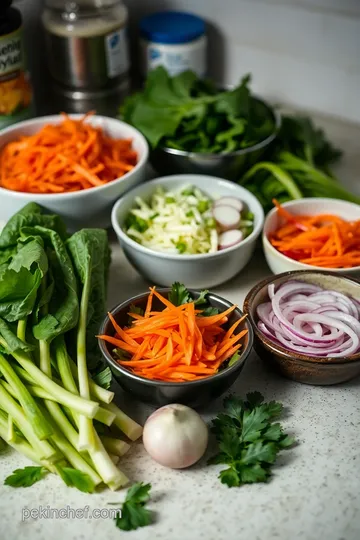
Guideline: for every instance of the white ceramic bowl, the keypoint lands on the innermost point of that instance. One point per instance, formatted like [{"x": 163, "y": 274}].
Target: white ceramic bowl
[
  {"x": 278, "y": 262},
  {"x": 90, "y": 207},
  {"x": 196, "y": 271}
]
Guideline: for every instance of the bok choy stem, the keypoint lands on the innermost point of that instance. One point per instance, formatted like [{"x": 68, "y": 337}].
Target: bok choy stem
[
  {"x": 41, "y": 427},
  {"x": 82, "y": 406},
  {"x": 11, "y": 407},
  {"x": 86, "y": 431}
]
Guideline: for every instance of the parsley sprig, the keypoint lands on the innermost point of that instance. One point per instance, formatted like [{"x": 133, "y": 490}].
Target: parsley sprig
[
  {"x": 248, "y": 439},
  {"x": 133, "y": 513},
  {"x": 25, "y": 477}
]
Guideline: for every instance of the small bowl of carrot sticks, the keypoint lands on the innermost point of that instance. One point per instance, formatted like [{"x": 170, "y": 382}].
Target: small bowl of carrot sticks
[
  {"x": 175, "y": 345},
  {"x": 314, "y": 233},
  {"x": 76, "y": 166}
]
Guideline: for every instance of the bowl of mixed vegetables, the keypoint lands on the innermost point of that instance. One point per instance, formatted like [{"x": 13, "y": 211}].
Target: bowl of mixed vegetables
[
  {"x": 176, "y": 345},
  {"x": 195, "y": 229},
  {"x": 192, "y": 126}
]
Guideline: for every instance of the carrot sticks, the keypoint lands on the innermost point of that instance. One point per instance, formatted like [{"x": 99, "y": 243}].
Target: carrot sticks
[
  {"x": 71, "y": 156},
  {"x": 176, "y": 344},
  {"x": 325, "y": 241}
]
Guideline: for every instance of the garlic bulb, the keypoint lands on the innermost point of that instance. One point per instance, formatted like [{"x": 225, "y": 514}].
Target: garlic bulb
[{"x": 175, "y": 436}]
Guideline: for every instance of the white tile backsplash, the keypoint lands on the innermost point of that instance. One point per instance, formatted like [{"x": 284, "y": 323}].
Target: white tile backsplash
[{"x": 304, "y": 52}]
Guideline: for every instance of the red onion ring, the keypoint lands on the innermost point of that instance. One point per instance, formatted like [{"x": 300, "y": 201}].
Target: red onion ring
[{"x": 308, "y": 319}]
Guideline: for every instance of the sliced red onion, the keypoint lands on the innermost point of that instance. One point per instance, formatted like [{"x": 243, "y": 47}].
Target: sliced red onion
[{"x": 307, "y": 319}]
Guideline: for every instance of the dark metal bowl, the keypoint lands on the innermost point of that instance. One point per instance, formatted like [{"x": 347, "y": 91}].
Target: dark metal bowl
[
  {"x": 300, "y": 367},
  {"x": 229, "y": 166},
  {"x": 158, "y": 393}
]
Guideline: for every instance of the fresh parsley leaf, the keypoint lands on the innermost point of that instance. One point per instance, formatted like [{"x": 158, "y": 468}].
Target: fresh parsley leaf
[
  {"x": 139, "y": 493},
  {"x": 25, "y": 477},
  {"x": 254, "y": 399},
  {"x": 135, "y": 309},
  {"x": 179, "y": 294},
  {"x": 133, "y": 513},
  {"x": 103, "y": 378},
  {"x": 253, "y": 423},
  {"x": 230, "y": 477},
  {"x": 249, "y": 441},
  {"x": 202, "y": 298},
  {"x": 79, "y": 480}
]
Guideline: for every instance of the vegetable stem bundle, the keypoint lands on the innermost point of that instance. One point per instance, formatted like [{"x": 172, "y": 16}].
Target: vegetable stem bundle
[{"x": 52, "y": 299}]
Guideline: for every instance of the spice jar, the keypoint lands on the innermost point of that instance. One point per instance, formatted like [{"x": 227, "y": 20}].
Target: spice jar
[
  {"x": 87, "y": 48},
  {"x": 15, "y": 88},
  {"x": 175, "y": 40}
]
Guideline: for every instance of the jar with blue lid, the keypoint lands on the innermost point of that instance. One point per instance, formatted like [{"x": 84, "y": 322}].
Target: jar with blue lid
[{"x": 175, "y": 40}]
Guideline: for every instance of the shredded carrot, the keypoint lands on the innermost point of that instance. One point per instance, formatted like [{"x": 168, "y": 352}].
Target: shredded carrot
[
  {"x": 324, "y": 240},
  {"x": 71, "y": 156},
  {"x": 177, "y": 343}
]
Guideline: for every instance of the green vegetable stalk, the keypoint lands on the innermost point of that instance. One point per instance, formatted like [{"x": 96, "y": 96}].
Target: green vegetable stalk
[
  {"x": 297, "y": 166},
  {"x": 52, "y": 299}
]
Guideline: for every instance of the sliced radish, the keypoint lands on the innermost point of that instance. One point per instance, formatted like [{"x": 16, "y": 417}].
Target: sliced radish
[
  {"x": 230, "y": 238},
  {"x": 226, "y": 217},
  {"x": 230, "y": 201}
]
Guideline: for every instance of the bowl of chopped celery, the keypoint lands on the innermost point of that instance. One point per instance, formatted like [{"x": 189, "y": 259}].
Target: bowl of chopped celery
[{"x": 195, "y": 229}]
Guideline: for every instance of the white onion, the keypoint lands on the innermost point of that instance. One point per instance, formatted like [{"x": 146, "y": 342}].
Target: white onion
[
  {"x": 175, "y": 436},
  {"x": 307, "y": 319}
]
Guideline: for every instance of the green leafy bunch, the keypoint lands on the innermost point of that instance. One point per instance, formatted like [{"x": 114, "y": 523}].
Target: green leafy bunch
[
  {"x": 188, "y": 113},
  {"x": 248, "y": 439}
]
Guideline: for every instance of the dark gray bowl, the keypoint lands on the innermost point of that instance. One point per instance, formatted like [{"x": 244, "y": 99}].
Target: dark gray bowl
[
  {"x": 229, "y": 166},
  {"x": 193, "y": 393}
]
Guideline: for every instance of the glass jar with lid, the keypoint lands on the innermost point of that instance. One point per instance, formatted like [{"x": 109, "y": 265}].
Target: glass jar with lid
[{"x": 87, "y": 44}]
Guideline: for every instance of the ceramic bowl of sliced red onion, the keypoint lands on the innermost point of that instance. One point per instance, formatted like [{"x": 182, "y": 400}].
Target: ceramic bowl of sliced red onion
[{"x": 307, "y": 325}]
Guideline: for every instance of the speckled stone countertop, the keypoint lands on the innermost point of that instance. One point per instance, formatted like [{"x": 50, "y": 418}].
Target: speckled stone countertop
[{"x": 313, "y": 495}]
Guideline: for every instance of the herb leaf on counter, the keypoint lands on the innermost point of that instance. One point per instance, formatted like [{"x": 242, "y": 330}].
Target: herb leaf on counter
[
  {"x": 133, "y": 513},
  {"x": 248, "y": 439},
  {"x": 25, "y": 477},
  {"x": 78, "y": 479}
]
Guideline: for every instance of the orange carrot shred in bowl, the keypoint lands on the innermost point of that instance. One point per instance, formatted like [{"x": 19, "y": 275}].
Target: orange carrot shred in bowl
[
  {"x": 70, "y": 156},
  {"x": 326, "y": 241},
  {"x": 176, "y": 344}
]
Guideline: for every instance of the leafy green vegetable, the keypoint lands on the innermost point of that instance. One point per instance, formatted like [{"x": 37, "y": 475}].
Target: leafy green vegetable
[
  {"x": 79, "y": 480},
  {"x": 20, "y": 280},
  {"x": 248, "y": 440},
  {"x": 133, "y": 513},
  {"x": 62, "y": 311},
  {"x": 89, "y": 250},
  {"x": 25, "y": 477},
  {"x": 179, "y": 294},
  {"x": 186, "y": 113},
  {"x": 31, "y": 215},
  {"x": 41, "y": 293},
  {"x": 296, "y": 166}
]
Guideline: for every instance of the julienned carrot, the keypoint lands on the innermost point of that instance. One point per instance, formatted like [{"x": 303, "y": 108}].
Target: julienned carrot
[
  {"x": 324, "y": 240},
  {"x": 177, "y": 343},
  {"x": 67, "y": 157}
]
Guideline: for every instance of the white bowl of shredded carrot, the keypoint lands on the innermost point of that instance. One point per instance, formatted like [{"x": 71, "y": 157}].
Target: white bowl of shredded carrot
[
  {"x": 76, "y": 166},
  {"x": 314, "y": 233}
]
